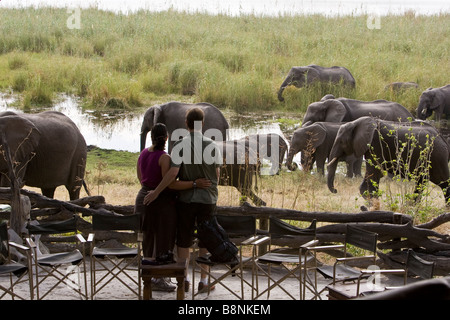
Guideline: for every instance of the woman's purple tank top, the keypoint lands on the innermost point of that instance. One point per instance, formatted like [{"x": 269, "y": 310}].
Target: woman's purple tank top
[{"x": 150, "y": 170}]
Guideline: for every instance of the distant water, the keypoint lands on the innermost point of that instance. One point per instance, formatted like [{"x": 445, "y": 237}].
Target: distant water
[
  {"x": 121, "y": 130},
  {"x": 256, "y": 7}
]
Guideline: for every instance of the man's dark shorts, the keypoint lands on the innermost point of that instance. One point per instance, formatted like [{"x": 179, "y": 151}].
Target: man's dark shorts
[{"x": 188, "y": 216}]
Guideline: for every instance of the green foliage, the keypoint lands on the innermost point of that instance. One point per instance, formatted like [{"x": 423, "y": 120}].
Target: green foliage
[
  {"x": 234, "y": 62},
  {"x": 407, "y": 189}
]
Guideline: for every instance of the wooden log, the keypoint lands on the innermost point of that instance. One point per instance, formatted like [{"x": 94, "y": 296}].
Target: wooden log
[
  {"x": 40, "y": 201},
  {"x": 436, "y": 222},
  {"x": 288, "y": 214},
  {"x": 91, "y": 201}
]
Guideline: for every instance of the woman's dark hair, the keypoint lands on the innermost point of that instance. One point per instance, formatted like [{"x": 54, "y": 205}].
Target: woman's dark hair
[{"x": 159, "y": 135}]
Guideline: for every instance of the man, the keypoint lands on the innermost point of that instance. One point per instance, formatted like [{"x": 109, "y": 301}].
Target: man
[{"x": 193, "y": 157}]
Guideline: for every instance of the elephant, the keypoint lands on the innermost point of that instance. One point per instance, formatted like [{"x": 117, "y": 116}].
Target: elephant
[
  {"x": 382, "y": 144},
  {"x": 173, "y": 115},
  {"x": 238, "y": 168},
  {"x": 345, "y": 110},
  {"x": 270, "y": 146},
  {"x": 315, "y": 142},
  {"x": 48, "y": 150},
  {"x": 434, "y": 99},
  {"x": 307, "y": 75},
  {"x": 399, "y": 86}
]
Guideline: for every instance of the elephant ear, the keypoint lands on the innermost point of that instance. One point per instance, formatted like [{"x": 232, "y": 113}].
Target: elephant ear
[
  {"x": 157, "y": 114},
  {"x": 335, "y": 110},
  {"x": 22, "y": 137},
  {"x": 316, "y": 135},
  {"x": 363, "y": 135},
  {"x": 435, "y": 100}
]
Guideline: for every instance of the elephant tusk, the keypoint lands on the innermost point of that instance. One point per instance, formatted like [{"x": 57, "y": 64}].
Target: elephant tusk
[{"x": 331, "y": 162}]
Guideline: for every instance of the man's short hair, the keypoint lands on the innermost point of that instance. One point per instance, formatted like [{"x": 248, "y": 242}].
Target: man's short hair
[{"x": 192, "y": 115}]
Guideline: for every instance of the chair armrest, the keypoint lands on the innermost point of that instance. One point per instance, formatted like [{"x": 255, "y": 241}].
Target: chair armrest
[
  {"x": 30, "y": 243},
  {"x": 384, "y": 271},
  {"x": 80, "y": 238},
  {"x": 355, "y": 258},
  {"x": 91, "y": 237},
  {"x": 257, "y": 240},
  {"x": 325, "y": 248},
  {"x": 310, "y": 244},
  {"x": 18, "y": 246},
  {"x": 380, "y": 271}
]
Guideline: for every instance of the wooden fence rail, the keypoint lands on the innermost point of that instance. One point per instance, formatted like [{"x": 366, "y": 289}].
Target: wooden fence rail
[{"x": 396, "y": 231}]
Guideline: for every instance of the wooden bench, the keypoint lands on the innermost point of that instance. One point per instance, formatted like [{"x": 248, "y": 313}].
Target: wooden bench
[{"x": 176, "y": 270}]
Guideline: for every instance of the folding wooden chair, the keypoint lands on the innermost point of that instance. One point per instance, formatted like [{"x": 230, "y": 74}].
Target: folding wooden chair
[
  {"x": 122, "y": 264},
  {"x": 243, "y": 227},
  {"x": 17, "y": 272},
  {"x": 64, "y": 267},
  {"x": 290, "y": 257},
  {"x": 415, "y": 268},
  {"x": 341, "y": 271}
]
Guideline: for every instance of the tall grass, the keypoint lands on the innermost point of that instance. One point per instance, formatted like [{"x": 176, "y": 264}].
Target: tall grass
[{"x": 233, "y": 62}]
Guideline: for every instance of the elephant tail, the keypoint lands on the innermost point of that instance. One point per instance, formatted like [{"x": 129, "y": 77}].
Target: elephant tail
[{"x": 86, "y": 188}]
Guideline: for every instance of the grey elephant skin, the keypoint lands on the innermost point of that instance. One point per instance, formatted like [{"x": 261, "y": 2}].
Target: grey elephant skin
[
  {"x": 400, "y": 86},
  {"x": 239, "y": 169},
  {"x": 307, "y": 75},
  {"x": 315, "y": 142},
  {"x": 49, "y": 150},
  {"x": 345, "y": 110},
  {"x": 435, "y": 100},
  {"x": 173, "y": 115},
  {"x": 269, "y": 146},
  {"x": 378, "y": 141}
]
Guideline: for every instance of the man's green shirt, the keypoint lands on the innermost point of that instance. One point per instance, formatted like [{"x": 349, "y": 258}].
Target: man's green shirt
[{"x": 197, "y": 157}]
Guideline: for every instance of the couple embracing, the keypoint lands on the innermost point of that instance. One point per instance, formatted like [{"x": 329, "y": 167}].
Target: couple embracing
[{"x": 177, "y": 192}]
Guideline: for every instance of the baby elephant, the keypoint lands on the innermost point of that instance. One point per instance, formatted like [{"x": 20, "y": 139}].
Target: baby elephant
[
  {"x": 307, "y": 75},
  {"x": 315, "y": 142},
  {"x": 434, "y": 99}
]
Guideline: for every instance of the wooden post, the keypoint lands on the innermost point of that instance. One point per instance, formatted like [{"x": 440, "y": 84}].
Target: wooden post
[
  {"x": 20, "y": 205},
  {"x": 263, "y": 225},
  {"x": 396, "y": 219}
]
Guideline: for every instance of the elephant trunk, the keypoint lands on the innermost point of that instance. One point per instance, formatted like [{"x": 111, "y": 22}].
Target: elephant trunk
[
  {"x": 143, "y": 138},
  {"x": 280, "y": 93},
  {"x": 289, "y": 161},
  {"x": 423, "y": 110},
  {"x": 332, "y": 165},
  {"x": 283, "y": 86}
]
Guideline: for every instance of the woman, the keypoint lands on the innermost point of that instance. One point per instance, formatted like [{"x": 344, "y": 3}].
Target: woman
[{"x": 159, "y": 217}]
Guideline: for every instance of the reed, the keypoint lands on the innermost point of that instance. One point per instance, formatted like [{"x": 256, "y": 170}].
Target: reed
[{"x": 233, "y": 62}]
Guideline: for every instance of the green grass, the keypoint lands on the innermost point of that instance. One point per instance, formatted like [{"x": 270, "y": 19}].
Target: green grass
[
  {"x": 105, "y": 166},
  {"x": 232, "y": 62}
]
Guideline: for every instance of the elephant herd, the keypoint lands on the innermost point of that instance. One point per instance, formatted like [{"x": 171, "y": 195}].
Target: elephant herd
[
  {"x": 48, "y": 150},
  {"x": 383, "y": 133}
]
